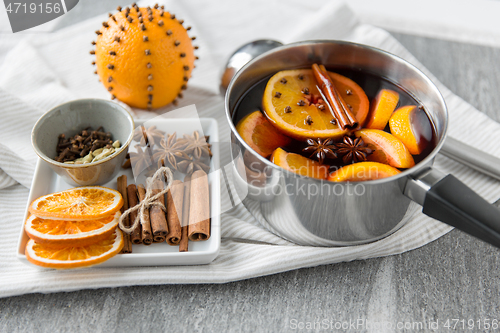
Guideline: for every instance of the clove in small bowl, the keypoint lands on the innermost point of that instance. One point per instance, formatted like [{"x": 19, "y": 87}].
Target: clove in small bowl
[{"x": 71, "y": 118}]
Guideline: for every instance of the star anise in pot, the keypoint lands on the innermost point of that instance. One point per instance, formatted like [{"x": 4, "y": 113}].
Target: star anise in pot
[
  {"x": 140, "y": 160},
  {"x": 196, "y": 145},
  {"x": 353, "y": 150},
  {"x": 320, "y": 149},
  {"x": 170, "y": 151},
  {"x": 148, "y": 136}
]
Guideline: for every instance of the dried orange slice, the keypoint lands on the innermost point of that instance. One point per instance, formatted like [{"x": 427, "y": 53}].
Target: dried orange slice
[
  {"x": 383, "y": 105},
  {"x": 79, "y": 203},
  {"x": 70, "y": 233},
  {"x": 363, "y": 171},
  {"x": 290, "y": 98},
  {"x": 260, "y": 134},
  {"x": 412, "y": 126},
  {"x": 387, "y": 148},
  {"x": 299, "y": 164},
  {"x": 74, "y": 257}
]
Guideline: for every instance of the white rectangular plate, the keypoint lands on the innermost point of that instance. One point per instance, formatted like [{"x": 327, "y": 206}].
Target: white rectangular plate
[{"x": 157, "y": 254}]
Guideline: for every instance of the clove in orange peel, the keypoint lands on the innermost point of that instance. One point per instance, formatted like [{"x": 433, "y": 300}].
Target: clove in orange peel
[{"x": 144, "y": 56}]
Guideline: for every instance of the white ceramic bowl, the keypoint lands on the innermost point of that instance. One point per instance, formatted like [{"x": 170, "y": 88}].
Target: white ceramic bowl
[{"x": 72, "y": 117}]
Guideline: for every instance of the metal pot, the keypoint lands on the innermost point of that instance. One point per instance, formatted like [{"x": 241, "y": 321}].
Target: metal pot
[{"x": 313, "y": 212}]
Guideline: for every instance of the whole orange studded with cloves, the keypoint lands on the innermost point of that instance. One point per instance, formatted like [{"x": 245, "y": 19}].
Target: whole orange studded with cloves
[{"x": 144, "y": 56}]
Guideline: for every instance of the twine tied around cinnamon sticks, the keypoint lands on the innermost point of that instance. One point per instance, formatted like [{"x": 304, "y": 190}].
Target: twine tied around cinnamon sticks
[{"x": 149, "y": 201}]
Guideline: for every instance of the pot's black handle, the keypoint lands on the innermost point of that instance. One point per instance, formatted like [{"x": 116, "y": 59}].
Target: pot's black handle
[
  {"x": 449, "y": 200},
  {"x": 452, "y": 202}
]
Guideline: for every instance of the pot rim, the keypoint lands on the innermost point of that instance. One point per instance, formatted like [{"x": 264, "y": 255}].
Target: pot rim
[{"x": 422, "y": 164}]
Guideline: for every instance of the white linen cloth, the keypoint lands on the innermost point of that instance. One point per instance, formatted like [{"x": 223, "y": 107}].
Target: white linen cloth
[{"x": 39, "y": 72}]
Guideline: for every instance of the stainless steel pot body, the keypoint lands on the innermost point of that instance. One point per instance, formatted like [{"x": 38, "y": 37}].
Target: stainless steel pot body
[{"x": 314, "y": 212}]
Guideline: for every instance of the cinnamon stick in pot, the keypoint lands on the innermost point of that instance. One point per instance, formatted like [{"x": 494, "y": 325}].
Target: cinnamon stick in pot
[
  {"x": 157, "y": 217},
  {"x": 136, "y": 235},
  {"x": 199, "y": 208},
  {"x": 342, "y": 113},
  {"x": 183, "y": 245},
  {"x": 174, "y": 212},
  {"x": 147, "y": 236},
  {"x": 122, "y": 188}
]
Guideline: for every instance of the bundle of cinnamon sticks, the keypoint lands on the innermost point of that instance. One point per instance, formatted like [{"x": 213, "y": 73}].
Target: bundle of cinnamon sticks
[{"x": 186, "y": 216}]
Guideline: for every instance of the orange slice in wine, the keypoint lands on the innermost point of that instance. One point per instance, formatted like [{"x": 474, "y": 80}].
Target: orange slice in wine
[
  {"x": 412, "y": 126},
  {"x": 382, "y": 107},
  {"x": 290, "y": 102},
  {"x": 260, "y": 134},
  {"x": 299, "y": 164},
  {"x": 363, "y": 171},
  {"x": 387, "y": 148}
]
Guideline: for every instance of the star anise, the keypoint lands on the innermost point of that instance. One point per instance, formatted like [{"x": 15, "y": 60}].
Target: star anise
[
  {"x": 196, "y": 145},
  {"x": 148, "y": 137},
  {"x": 140, "y": 160},
  {"x": 170, "y": 151},
  {"x": 190, "y": 165},
  {"x": 321, "y": 149},
  {"x": 353, "y": 150}
]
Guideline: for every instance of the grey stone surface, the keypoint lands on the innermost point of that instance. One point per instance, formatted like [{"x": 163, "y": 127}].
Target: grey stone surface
[{"x": 455, "y": 277}]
